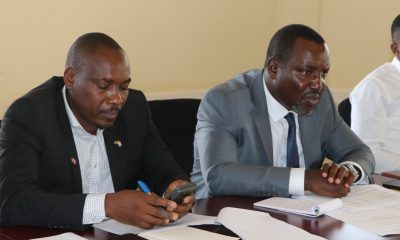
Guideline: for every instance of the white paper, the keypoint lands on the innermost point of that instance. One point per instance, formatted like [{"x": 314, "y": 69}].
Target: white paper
[
  {"x": 116, "y": 227},
  {"x": 303, "y": 205},
  {"x": 255, "y": 225},
  {"x": 372, "y": 208},
  {"x": 363, "y": 197},
  {"x": 184, "y": 233},
  {"x": 63, "y": 236}
]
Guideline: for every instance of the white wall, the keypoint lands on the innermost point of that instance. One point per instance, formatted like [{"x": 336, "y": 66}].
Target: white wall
[{"x": 184, "y": 47}]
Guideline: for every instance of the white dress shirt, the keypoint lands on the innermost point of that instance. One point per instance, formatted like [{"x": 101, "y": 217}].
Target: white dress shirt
[
  {"x": 375, "y": 114},
  {"x": 94, "y": 166},
  {"x": 279, "y": 132}
]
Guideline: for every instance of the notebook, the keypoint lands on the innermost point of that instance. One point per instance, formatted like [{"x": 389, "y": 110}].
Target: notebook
[{"x": 312, "y": 206}]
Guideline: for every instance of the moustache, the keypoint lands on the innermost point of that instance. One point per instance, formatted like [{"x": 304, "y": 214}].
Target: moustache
[
  {"x": 112, "y": 110},
  {"x": 310, "y": 93}
]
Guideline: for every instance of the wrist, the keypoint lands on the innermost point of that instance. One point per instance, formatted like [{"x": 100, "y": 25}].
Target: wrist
[
  {"x": 308, "y": 176},
  {"x": 108, "y": 205}
]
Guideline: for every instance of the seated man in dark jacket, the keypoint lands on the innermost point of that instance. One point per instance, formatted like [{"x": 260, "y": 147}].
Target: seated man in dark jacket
[{"x": 72, "y": 149}]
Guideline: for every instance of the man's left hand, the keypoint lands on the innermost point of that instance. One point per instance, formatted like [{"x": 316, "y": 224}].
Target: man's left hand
[
  {"x": 337, "y": 174},
  {"x": 188, "y": 201}
]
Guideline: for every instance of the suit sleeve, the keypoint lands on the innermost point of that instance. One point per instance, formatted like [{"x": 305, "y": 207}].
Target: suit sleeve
[
  {"x": 342, "y": 144},
  {"x": 21, "y": 200},
  {"x": 219, "y": 136}
]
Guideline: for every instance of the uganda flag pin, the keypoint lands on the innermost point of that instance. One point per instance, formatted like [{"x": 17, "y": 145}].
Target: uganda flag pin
[{"x": 118, "y": 143}]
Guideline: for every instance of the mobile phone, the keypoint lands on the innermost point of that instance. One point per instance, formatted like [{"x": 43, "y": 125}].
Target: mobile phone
[
  {"x": 393, "y": 184},
  {"x": 180, "y": 192}
]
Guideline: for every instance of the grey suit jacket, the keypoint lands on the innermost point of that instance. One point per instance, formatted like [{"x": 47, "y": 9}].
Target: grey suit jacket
[{"x": 233, "y": 144}]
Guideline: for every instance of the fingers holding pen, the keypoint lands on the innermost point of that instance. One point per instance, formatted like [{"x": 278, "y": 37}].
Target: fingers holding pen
[
  {"x": 164, "y": 206},
  {"x": 161, "y": 204},
  {"x": 137, "y": 208},
  {"x": 143, "y": 208}
]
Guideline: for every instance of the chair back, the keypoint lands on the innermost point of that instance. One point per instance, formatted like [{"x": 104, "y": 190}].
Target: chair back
[
  {"x": 344, "y": 109},
  {"x": 175, "y": 120}
]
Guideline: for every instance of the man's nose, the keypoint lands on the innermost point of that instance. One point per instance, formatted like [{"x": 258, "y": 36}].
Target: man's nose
[
  {"x": 316, "y": 82},
  {"x": 115, "y": 96}
]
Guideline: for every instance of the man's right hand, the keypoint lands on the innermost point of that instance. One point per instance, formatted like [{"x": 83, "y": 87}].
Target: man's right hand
[
  {"x": 139, "y": 209},
  {"x": 316, "y": 183}
]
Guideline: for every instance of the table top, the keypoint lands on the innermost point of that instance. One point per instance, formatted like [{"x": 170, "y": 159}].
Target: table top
[
  {"x": 25, "y": 233},
  {"x": 324, "y": 226}
]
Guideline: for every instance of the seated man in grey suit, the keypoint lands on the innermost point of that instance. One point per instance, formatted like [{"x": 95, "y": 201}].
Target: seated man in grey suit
[
  {"x": 73, "y": 148},
  {"x": 267, "y": 132}
]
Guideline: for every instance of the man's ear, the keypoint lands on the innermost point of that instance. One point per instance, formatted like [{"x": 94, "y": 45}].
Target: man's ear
[
  {"x": 69, "y": 77},
  {"x": 272, "y": 66},
  {"x": 395, "y": 49}
]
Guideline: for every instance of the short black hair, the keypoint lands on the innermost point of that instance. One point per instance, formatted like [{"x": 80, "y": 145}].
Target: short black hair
[
  {"x": 281, "y": 44},
  {"x": 87, "y": 44},
  {"x": 395, "y": 25}
]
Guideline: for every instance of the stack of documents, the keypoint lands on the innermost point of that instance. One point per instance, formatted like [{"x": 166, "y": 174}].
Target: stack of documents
[
  {"x": 370, "y": 207},
  {"x": 247, "y": 224}
]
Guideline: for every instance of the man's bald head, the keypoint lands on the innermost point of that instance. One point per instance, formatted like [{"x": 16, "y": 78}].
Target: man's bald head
[{"x": 88, "y": 44}]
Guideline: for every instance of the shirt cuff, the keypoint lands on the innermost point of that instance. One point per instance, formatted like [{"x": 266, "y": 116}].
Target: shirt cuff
[
  {"x": 296, "y": 181},
  {"x": 363, "y": 177},
  {"x": 94, "y": 209}
]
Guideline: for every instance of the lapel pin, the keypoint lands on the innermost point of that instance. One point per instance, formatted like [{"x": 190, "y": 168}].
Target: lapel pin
[
  {"x": 73, "y": 160},
  {"x": 118, "y": 143}
]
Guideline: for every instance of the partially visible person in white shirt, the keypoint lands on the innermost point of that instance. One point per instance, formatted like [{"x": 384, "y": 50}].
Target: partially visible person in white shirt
[{"x": 375, "y": 109}]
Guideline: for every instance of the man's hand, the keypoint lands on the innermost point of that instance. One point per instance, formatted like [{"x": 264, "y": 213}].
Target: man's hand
[
  {"x": 316, "y": 183},
  {"x": 139, "y": 209},
  {"x": 188, "y": 201},
  {"x": 337, "y": 174}
]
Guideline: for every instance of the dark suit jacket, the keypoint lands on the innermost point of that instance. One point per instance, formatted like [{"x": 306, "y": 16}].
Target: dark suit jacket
[
  {"x": 40, "y": 185},
  {"x": 233, "y": 143}
]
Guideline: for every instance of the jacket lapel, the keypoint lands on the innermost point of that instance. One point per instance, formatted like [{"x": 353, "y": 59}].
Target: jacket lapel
[
  {"x": 310, "y": 134},
  {"x": 260, "y": 114},
  {"x": 69, "y": 143},
  {"x": 115, "y": 145}
]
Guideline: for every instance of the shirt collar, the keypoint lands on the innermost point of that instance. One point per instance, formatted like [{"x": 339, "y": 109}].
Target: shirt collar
[
  {"x": 71, "y": 116},
  {"x": 276, "y": 110},
  {"x": 396, "y": 63}
]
